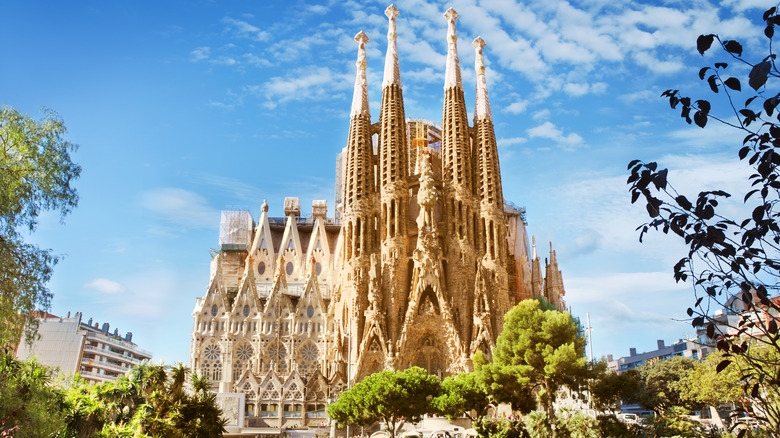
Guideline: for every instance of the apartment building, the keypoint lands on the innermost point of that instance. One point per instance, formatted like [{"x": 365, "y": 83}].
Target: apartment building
[{"x": 88, "y": 348}]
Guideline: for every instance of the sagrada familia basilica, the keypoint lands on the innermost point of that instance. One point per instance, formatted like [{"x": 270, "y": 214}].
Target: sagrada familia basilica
[{"x": 418, "y": 267}]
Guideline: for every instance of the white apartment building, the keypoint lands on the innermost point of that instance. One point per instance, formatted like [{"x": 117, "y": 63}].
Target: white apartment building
[{"x": 89, "y": 349}]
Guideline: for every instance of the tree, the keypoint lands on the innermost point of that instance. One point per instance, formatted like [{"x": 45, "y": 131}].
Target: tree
[
  {"x": 28, "y": 402},
  {"x": 36, "y": 173},
  {"x": 729, "y": 257},
  {"x": 151, "y": 401},
  {"x": 462, "y": 394},
  {"x": 704, "y": 385},
  {"x": 387, "y": 395},
  {"x": 538, "y": 351},
  {"x": 608, "y": 388},
  {"x": 662, "y": 384}
]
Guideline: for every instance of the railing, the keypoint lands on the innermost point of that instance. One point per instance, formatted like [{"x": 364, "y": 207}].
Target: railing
[
  {"x": 125, "y": 345},
  {"x": 109, "y": 353},
  {"x": 106, "y": 365}
]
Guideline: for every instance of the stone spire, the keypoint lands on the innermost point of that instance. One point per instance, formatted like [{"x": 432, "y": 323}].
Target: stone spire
[
  {"x": 553, "y": 282},
  {"x": 452, "y": 76},
  {"x": 488, "y": 175},
  {"x": 360, "y": 97},
  {"x": 460, "y": 208},
  {"x": 359, "y": 176},
  {"x": 537, "y": 282},
  {"x": 392, "y": 71},
  {"x": 456, "y": 145},
  {"x": 482, "y": 104},
  {"x": 393, "y": 190}
]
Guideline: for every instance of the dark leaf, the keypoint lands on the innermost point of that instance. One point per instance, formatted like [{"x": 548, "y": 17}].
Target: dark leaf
[
  {"x": 634, "y": 196},
  {"x": 758, "y": 74},
  {"x": 733, "y": 83},
  {"x": 734, "y": 47},
  {"x": 750, "y": 100},
  {"x": 721, "y": 65},
  {"x": 754, "y": 391},
  {"x": 683, "y": 202},
  {"x": 690, "y": 312},
  {"x": 772, "y": 326},
  {"x": 743, "y": 152},
  {"x": 769, "y": 30},
  {"x": 769, "y": 13},
  {"x": 698, "y": 321},
  {"x": 703, "y": 72},
  {"x": 660, "y": 179},
  {"x": 758, "y": 213},
  {"x": 722, "y": 365},
  {"x": 700, "y": 118},
  {"x": 712, "y": 80},
  {"x": 704, "y": 42},
  {"x": 711, "y": 331},
  {"x": 633, "y": 163}
]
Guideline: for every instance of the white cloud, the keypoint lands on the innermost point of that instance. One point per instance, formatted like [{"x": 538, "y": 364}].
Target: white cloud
[
  {"x": 303, "y": 84},
  {"x": 105, "y": 286},
  {"x": 200, "y": 53},
  {"x": 180, "y": 208},
  {"x": 506, "y": 142},
  {"x": 318, "y": 9},
  {"x": 550, "y": 131},
  {"x": 541, "y": 115},
  {"x": 517, "y": 107},
  {"x": 242, "y": 29}
]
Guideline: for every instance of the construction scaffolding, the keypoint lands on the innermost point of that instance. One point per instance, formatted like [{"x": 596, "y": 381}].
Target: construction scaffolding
[{"x": 235, "y": 230}]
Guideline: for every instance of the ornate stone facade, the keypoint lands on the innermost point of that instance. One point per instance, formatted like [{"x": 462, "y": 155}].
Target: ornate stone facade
[{"x": 421, "y": 263}]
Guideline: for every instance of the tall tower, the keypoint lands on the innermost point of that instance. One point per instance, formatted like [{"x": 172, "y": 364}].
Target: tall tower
[
  {"x": 394, "y": 191},
  {"x": 492, "y": 226},
  {"x": 460, "y": 213},
  {"x": 359, "y": 216}
]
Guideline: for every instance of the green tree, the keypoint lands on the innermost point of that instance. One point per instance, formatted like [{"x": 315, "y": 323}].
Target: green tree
[
  {"x": 388, "y": 396},
  {"x": 733, "y": 256},
  {"x": 28, "y": 401},
  {"x": 36, "y": 173},
  {"x": 152, "y": 401},
  {"x": 663, "y": 383},
  {"x": 704, "y": 385},
  {"x": 462, "y": 394},
  {"x": 538, "y": 351},
  {"x": 608, "y": 388}
]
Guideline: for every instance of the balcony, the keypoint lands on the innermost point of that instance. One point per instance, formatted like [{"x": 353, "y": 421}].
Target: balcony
[
  {"x": 105, "y": 365},
  {"x": 111, "y": 354}
]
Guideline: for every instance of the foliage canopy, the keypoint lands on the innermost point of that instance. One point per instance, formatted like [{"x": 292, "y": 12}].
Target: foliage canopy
[
  {"x": 730, "y": 257},
  {"x": 36, "y": 175}
]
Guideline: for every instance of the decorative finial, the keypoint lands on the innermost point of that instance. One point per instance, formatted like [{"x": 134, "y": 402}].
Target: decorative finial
[
  {"x": 392, "y": 71},
  {"x": 360, "y": 96},
  {"x": 391, "y": 12},
  {"x": 533, "y": 239},
  {"x": 452, "y": 75},
  {"x": 481, "y": 102},
  {"x": 264, "y": 207}
]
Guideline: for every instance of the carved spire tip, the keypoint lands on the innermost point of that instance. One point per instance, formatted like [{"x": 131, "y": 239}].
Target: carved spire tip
[
  {"x": 451, "y": 15},
  {"x": 391, "y": 12},
  {"x": 361, "y": 37},
  {"x": 478, "y": 43}
]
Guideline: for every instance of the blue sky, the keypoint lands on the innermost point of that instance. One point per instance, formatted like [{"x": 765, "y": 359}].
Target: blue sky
[{"x": 184, "y": 108}]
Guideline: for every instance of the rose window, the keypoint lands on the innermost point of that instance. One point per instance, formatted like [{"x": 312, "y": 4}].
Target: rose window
[
  {"x": 309, "y": 353},
  {"x": 244, "y": 352},
  {"x": 212, "y": 352}
]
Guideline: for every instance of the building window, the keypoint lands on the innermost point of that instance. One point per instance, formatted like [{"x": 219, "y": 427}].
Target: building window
[
  {"x": 269, "y": 410},
  {"x": 214, "y": 310},
  {"x": 246, "y": 311},
  {"x": 315, "y": 411},
  {"x": 292, "y": 410}
]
